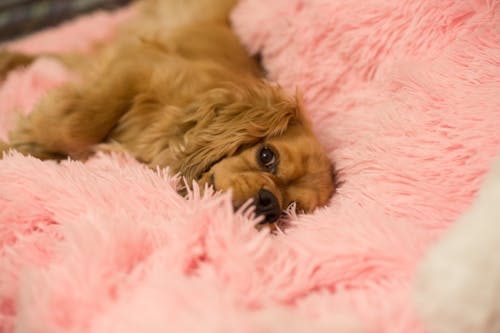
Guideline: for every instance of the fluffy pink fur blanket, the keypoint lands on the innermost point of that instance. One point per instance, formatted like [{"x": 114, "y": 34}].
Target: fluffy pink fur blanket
[{"x": 405, "y": 96}]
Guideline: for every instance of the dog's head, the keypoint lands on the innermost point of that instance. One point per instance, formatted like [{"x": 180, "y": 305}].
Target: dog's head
[{"x": 257, "y": 142}]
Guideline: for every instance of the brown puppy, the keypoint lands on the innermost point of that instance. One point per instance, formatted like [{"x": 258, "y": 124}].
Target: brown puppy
[{"x": 177, "y": 89}]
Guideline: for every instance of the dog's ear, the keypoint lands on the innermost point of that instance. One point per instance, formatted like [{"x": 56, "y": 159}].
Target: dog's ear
[{"x": 224, "y": 120}]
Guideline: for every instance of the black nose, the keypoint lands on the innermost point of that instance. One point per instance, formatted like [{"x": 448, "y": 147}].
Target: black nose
[{"x": 267, "y": 205}]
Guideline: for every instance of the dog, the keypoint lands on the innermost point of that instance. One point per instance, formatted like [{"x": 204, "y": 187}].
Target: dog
[{"x": 176, "y": 88}]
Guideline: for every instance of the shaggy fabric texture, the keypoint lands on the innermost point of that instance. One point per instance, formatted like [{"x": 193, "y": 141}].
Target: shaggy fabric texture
[
  {"x": 458, "y": 283},
  {"x": 403, "y": 94}
]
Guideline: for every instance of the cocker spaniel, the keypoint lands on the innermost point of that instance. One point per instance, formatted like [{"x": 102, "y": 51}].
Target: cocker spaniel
[{"x": 176, "y": 88}]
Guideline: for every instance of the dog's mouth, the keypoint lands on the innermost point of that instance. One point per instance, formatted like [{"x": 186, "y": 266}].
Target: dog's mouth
[{"x": 265, "y": 202}]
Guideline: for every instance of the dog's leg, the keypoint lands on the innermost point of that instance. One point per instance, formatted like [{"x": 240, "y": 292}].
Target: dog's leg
[
  {"x": 75, "y": 117},
  {"x": 3, "y": 147},
  {"x": 12, "y": 60}
]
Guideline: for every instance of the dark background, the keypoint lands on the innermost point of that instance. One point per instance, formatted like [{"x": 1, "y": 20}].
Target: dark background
[{"x": 20, "y": 17}]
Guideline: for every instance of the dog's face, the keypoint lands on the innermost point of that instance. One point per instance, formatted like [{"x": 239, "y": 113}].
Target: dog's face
[
  {"x": 285, "y": 169},
  {"x": 254, "y": 140}
]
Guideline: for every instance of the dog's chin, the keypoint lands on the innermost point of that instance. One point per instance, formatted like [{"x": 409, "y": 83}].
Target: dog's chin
[{"x": 207, "y": 182}]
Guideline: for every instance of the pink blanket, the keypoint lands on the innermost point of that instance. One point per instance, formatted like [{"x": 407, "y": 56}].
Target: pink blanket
[{"x": 405, "y": 96}]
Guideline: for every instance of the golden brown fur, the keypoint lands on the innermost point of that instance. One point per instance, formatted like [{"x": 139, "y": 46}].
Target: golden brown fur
[{"x": 177, "y": 89}]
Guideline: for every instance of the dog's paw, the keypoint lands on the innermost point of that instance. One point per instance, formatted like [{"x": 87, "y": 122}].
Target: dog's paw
[
  {"x": 12, "y": 60},
  {"x": 4, "y": 147},
  {"x": 110, "y": 148}
]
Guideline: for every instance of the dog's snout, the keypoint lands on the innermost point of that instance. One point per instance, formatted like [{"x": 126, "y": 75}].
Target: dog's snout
[{"x": 267, "y": 205}]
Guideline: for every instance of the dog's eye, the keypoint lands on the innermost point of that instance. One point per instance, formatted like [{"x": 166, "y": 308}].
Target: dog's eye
[{"x": 267, "y": 158}]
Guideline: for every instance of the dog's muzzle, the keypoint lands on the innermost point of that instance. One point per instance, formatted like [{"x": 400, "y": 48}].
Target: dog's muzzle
[{"x": 267, "y": 205}]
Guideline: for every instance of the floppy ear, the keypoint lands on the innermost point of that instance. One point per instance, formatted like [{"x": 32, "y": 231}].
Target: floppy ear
[{"x": 225, "y": 119}]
